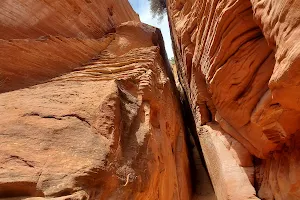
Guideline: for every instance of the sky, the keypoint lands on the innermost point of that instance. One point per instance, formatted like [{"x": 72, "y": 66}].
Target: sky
[{"x": 142, "y": 7}]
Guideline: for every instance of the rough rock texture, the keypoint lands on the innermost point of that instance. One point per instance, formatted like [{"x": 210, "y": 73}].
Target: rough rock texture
[
  {"x": 228, "y": 162},
  {"x": 108, "y": 129},
  {"x": 238, "y": 62},
  {"x": 37, "y": 60},
  {"x": 76, "y": 18},
  {"x": 202, "y": 187},
  {"x": 50, "y": 38}
]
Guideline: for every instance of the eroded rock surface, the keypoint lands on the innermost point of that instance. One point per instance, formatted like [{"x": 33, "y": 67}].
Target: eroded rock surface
[
  {"x": 105, "y": 124},
  {"x": 49, "y": 38},
  {"x": 238, "y": 63},
  {"x": 76, "y": 18},
  {"x": 228, "y": 162}
]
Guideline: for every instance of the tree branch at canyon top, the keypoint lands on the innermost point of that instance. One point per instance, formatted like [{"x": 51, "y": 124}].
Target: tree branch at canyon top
[{"x": 158, "y": 8}]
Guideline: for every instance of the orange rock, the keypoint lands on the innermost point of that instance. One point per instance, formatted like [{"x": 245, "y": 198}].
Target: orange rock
[
  {"x": 34, "y": 61},
  {"x": 83, "y": 19},
  {"x": 50, "y": 38},
  {"x": 278, "y": 177},
  {"x": 229, "y": 164},
  {"x": 238, "y": 63},
  {"x": 110, "y": 128}
]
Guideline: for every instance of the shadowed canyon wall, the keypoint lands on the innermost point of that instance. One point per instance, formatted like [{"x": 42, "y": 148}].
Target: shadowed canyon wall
[
  {"x": 238, "y": 62},
  {"x": 88, "y": 106}
]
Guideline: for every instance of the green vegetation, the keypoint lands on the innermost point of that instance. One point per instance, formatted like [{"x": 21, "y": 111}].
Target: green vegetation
[
  {"x": 158, "y": 8},
  {"x": 172, "y": 61}
]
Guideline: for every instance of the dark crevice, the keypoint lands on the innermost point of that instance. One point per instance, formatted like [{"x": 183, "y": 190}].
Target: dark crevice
[
  {"x": 42, "y": 116},
  {"x": 64, "y": 192},
  {"x": 28, "y": 163},
  {"x": 57, "y": 117},
  {"x": 257, "y": 180},
  {"x": 192, "y": 141},
  {"x": 78, "y": 117},
  {"x": 210, "y": 115},
  {"x": 190, "y": 131},
  {"x": 190, "y": 126},
  {"x": 20, "y": 189},
  {"x": 191, "y": 136}
]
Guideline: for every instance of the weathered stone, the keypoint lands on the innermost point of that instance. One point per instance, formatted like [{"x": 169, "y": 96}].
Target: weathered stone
[
  {"x": 106, "y": 122},
  {"x": 76, "y": 18},
  {"x": 238, "y": 63},
  {"x": 35, "y": 61},
  {"x": 89, "y": 107},
  {"x": 229, "y": 164},
  {"x": 49, "y": 38}
]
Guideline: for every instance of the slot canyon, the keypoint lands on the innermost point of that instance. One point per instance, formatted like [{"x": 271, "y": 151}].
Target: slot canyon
[{"x": 92, "y": 109}]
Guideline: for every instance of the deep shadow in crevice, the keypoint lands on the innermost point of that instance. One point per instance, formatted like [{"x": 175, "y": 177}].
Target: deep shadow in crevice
[
  {"x": 191, "y": 136},
  {"x": 19, "y": 189}
]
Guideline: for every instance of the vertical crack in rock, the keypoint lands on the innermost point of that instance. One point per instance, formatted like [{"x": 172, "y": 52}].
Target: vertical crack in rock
[
  {"x": 107, "y": 117},
  {"x": 201, "y": 183}
]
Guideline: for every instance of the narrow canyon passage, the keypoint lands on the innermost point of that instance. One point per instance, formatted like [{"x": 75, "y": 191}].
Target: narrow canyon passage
[
  {"x": 92, "y": 108},
  {"x": 202, "y": 187}
]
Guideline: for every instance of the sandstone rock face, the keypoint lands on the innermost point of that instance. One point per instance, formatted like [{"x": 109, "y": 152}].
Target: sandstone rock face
[
  {"x": 76, "y": 18},
  {"x": 110, "y": 128},
  {"x": 228, "y": 162},
  {"x": 50, "y": 38},
  {"x": 238, "y": 63}
]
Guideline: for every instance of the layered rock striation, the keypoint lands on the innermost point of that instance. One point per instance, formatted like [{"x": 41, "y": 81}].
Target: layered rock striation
[
  {"x": 238, "y": 64},
  {"x": 89, "y": 108},
  {"x": 98, "y": 116},
  {"x": 40, "y": 40}
]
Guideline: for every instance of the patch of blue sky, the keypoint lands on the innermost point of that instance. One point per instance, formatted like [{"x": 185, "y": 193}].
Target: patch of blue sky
[{"x": 142, "y": 7}]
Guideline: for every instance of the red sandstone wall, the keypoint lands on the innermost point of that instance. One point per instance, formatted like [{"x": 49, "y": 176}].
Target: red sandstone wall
[{"x": 239, "y": 65}]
